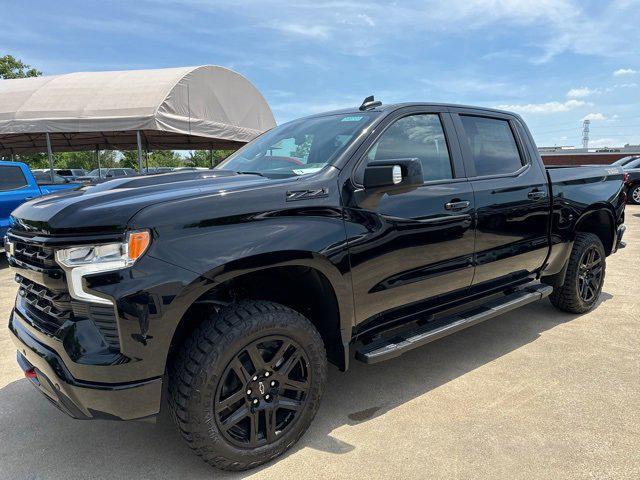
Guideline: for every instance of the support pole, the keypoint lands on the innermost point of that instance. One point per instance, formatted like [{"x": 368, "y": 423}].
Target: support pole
[
  {"x": 98, "y": 161},
  {"x": 139, "y": 151},
  {"x": 50, "y": 155},
  {"x": 211, "y": 157}
]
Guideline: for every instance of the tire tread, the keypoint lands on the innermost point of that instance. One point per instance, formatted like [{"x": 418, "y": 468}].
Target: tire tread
[{"x": 208, "y": 340}]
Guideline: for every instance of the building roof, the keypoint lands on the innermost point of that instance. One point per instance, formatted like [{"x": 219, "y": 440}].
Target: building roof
[{"x": 178, "y": 108}]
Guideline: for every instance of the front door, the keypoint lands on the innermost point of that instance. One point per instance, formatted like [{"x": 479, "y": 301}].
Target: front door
[{"x": 414, "y": 245}]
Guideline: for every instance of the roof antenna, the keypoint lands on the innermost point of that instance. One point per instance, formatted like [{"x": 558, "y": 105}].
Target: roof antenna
[{"x": 369, "y": 103}]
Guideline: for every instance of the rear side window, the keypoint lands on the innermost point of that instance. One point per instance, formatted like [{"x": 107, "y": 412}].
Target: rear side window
[
  {"x": 416, "y": 136},
  {"x": 11, "y": 178},
  {"x": 492, "y": 145}
]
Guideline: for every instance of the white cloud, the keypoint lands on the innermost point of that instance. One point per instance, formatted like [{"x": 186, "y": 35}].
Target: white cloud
[
  {"x": 312, "y": 31},
  {"x": 624, "y": 71},
  {"x": 551, "y": 27},
  {"x": 618, "y": 86},
  {"x": 548, "y": 107},
  {"x": 581, "y": 92},
  {"x": 594, "y": 117}
]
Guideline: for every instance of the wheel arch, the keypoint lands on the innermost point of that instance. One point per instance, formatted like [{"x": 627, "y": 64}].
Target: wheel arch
[
  {"x": 305, "y": 281},
  {"x": 599, "y": 220}
]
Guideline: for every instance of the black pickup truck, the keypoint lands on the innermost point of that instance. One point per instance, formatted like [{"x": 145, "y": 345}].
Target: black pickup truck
[{"x": 361, "y": 233}]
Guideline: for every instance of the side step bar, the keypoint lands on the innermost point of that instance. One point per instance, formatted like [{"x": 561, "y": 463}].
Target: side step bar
[{"x": 386, "y": 348}]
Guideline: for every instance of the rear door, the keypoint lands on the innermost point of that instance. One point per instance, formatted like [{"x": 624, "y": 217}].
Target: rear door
[
  {"x": 412, "y": 245},
  {"x": 511, "y": 196},
  {"x": 14, "y": 191}
]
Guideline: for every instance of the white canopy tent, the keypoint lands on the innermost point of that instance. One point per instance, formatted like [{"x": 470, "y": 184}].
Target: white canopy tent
[{"x": 174, "y": 108}]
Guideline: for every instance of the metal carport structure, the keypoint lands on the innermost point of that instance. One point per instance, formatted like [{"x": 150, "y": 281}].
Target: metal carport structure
[{"x": 187, "y": 108}]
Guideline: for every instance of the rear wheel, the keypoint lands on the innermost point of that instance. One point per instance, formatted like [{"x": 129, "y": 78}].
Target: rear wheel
[
  {"x": 247, "y": 384},
  {"x": 634, "y": 195},
  {"x": 585, "y": 276}
]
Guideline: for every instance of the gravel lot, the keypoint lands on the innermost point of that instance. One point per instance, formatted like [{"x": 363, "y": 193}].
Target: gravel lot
[{"x": 532, "y": 394}]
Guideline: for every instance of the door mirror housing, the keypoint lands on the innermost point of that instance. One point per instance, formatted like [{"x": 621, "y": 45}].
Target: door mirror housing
[{"x": 401, "y": 173}]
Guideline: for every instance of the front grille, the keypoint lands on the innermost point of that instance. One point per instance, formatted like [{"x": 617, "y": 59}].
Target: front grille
[
  {"x": 34, "y": 254},
  {"x": 48, "y": 308}
]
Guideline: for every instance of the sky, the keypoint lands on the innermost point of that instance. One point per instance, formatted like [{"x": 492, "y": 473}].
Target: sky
[{"x": 556, "y": 62}]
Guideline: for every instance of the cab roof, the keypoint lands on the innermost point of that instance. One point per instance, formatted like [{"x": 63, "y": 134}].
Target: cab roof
[{"x": 386, "y": 108}]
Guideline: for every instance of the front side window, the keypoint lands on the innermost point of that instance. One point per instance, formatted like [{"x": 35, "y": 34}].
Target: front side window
[
  {"x": 11, "y": 178},
  {"x": 416, "y": 136},
  {"x": 493, "y": 147},
  {"x": 300, "y": 147}
]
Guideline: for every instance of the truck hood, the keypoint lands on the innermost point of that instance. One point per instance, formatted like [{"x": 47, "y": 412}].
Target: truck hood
[{"x": 108, "y": 207}]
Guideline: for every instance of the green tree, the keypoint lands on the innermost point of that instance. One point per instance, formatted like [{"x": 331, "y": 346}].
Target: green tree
[
  {"x": 164, "y": 158},
  {"x": 129, "y": 159},
  {"x": 11, "y": 67},
  {"x": 201, "y": 158}
]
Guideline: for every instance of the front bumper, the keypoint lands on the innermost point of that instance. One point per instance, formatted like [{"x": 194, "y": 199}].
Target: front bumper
[{"x": 80, "y": 399}]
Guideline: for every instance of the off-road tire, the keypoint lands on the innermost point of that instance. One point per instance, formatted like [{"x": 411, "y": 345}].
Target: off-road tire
[
  {"x": 200, "y": 363},
  {"x": 566, "y": 297}
]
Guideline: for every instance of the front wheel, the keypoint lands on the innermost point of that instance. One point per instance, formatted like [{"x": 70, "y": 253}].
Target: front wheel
[
  {"x": 585, "y": 276},
  {"x": 247, "y": 384},
  {"x": 634, "y": 195}
]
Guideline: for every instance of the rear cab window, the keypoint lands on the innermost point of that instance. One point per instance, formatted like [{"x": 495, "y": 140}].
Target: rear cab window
[
  {"x": 492, "y": 145},
  {"x": 11, "y": 178}
]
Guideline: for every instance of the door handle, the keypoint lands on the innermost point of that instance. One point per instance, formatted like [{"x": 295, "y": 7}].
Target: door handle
[
  {"x": 537, "y": 194},
  {"x": 455, "y": 206}
]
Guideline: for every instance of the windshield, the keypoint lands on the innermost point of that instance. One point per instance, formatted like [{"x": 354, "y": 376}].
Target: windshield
[{"x": 299, "y": 147}]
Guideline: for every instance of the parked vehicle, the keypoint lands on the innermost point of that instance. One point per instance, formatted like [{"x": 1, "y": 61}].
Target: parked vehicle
[
  {"x": 104, "y": 174},
  {"x": 632, "y": 179},
  {"x": 367, "y": 231},
  {"x": 622, "y": 162},
  {"x": 156, "y": 170},
  {"x": 71, "y": 173},
  {"x": 18, "y": 184},
  {"x": 44, "y": 178}
]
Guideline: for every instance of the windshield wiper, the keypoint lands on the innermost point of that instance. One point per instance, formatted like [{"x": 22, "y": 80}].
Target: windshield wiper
[{"x": 252, "y": 173}]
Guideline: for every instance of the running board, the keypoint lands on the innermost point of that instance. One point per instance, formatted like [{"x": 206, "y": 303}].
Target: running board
[{"x": 386, "y": 348}]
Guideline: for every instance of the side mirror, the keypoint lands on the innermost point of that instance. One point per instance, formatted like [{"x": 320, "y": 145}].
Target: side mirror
[{"x": 401, "y": 173}]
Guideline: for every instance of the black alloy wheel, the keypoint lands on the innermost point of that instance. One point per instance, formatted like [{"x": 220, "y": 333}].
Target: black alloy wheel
[
  {"x": 246, "y": 383},
  {"x": 584, "y": 275},
  {"x": 590, "y": 274},
  {"x": 262, "y": 391}
]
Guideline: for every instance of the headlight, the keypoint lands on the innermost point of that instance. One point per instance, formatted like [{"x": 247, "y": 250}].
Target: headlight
[{"x": 80, "y": 261}]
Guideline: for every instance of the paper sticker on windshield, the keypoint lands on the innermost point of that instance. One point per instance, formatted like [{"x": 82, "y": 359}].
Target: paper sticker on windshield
[{"x": 352, "y": 118}]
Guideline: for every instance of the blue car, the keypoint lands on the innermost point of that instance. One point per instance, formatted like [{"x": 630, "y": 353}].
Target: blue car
[{"x": 18, "y": 184}]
